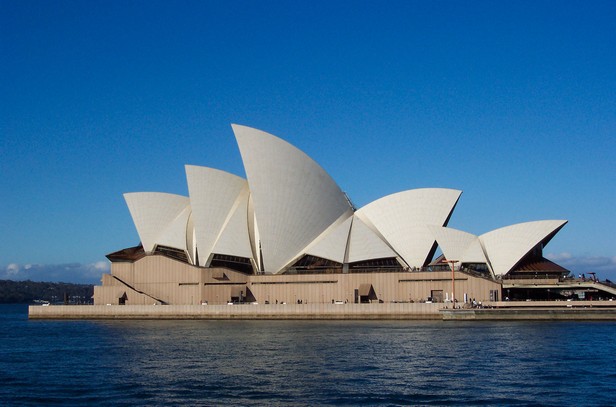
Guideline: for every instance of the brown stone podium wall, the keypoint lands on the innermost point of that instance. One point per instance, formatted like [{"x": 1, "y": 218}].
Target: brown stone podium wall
[{"x": 160, "y": 279}]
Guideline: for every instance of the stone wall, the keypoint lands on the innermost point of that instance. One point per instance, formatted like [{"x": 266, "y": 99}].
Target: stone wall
[{"x": 248, "y": 311}]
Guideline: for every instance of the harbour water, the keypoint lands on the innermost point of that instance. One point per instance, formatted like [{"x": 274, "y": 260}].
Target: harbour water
[{"x": 305, "y": 362}]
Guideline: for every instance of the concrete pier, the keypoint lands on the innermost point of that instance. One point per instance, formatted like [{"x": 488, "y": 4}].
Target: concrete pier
[
  {"x": 388, "y": 311},
  {"x": 536, "y": 310},
  {"x": 531, "y": 314}
]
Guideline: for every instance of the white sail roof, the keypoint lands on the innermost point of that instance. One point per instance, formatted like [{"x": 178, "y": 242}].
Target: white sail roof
[
  {"x": 175, "y": 234},
  {"x": 458, "y": 245},
  {"x": 294, "y": 199},
  {"x": 334, "y": 244},
  {"x": 506, "y": 246},
  {"x": 213, "y": 194},
  {"x": 234, "y": 239},
  {"x": 364, "y": 244},
  {"x": 402, "y": 219},
  {"x": 158, "y": 217},
  {"x": 289, "y": 206}
]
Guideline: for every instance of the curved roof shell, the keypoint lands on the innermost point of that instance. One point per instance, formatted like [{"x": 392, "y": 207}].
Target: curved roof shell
[
  {"x": 294, "y": 199},
  {"x": 459, "y": 245},
  {"x": 333, "y": 244},
  {"x": 160, "y": 218},
  {"x": 506, "y": 246},
  {"x": 402, "y": 219},
  {"x": 233, "y": 239},
  {"x": 364, "y": 244},
  {"x": 214, "y": 194},
  {"x": 289, "y": 206}
]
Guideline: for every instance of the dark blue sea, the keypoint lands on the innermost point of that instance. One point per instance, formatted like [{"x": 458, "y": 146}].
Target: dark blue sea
[{"x": 280, "y": 363}]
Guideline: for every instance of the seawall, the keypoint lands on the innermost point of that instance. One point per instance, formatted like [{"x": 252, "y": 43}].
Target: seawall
[
  {"x": 595, "y": 310},
  {"x": 531, "y": 314},
  {"x": 388, "y": 311}
]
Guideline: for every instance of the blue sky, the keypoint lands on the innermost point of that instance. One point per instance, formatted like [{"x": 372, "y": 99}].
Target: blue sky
[{"x": 512, "y": 102}]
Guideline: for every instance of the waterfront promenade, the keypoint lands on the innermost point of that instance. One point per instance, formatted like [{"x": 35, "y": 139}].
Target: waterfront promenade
[
  {"x": 503, "y": 310},
  {"x": 244, "y": 311}
]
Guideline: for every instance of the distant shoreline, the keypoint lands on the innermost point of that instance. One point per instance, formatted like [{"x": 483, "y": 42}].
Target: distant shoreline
[{"x": 29, "y": 292}]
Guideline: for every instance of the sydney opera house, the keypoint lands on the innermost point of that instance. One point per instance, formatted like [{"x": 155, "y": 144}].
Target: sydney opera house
[{"x": 289, "y": 234}]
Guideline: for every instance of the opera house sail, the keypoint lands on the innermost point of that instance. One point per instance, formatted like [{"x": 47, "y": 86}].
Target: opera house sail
[{"x": 287, "y": 233}]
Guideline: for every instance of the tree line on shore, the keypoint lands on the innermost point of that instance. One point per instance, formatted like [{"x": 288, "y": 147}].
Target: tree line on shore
[{"x": 20, "y": 292}]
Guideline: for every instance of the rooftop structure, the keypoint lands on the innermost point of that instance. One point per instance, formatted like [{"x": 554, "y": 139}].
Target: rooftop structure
[{"x": 289, "y": 215}]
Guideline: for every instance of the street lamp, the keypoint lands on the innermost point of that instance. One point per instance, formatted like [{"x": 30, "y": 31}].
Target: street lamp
[{"x": 453, "y": 282}]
